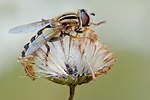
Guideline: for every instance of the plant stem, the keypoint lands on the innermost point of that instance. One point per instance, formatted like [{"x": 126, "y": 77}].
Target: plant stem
[{"x": 72, "y": 91}]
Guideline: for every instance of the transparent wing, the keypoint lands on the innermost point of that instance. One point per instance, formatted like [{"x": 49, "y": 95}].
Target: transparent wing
[
  {"x": 35, "y": 44},
  {"x": 44, "y": 37},
  {"x": 30, "y": 27}
]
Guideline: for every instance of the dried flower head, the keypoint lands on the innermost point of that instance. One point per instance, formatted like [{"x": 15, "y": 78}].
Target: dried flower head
[{"x": 71, "y": 61}]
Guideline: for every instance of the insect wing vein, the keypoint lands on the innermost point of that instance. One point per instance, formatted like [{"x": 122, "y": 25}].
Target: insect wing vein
[{"x": 30, "y": 27}]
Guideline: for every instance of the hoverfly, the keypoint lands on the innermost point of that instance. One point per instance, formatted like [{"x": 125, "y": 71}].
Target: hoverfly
[{"x": 55, "y": 29}]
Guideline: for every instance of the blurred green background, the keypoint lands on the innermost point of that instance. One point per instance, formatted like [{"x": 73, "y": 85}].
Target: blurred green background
[{"x": 126, "y": 33}]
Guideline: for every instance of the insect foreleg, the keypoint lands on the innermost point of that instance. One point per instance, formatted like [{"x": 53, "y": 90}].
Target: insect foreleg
[{"x": 94, "y": 25}]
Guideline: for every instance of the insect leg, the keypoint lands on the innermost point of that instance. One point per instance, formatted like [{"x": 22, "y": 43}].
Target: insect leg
[
  {"x": 94, "y": 25},
  {"x": 61, "y": 36},
  {"x": 48, "y": 50}
]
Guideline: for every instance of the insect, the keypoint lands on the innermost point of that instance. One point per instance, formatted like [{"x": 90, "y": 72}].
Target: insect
[{"x": 55, "y": 29}]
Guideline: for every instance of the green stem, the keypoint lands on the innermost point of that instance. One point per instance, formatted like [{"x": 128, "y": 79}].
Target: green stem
[{"x": 72, "y": 91}]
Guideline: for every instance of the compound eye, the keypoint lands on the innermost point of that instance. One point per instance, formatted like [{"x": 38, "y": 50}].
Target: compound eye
[{"x": 85, "y": 19}]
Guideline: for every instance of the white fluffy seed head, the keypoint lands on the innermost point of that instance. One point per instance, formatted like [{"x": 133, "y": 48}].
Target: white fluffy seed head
[{"x": 70, "y": 61}]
